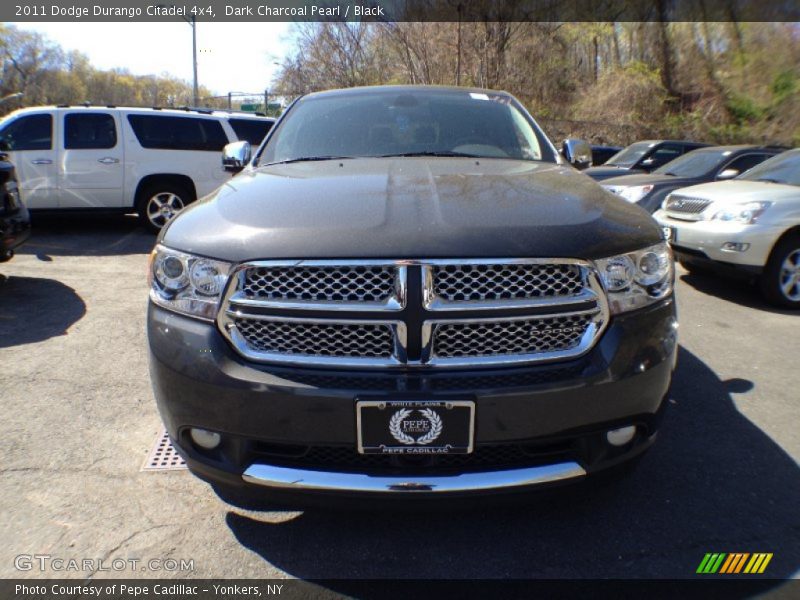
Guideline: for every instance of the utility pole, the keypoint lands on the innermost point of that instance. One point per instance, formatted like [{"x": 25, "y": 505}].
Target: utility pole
[
  {"x": 266, "y": 102},
  {"x": 196, "y": 91}
]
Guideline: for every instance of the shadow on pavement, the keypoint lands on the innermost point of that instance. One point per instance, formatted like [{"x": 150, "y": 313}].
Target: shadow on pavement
[
  {"x": 740, "y": 292},
  {"x": 86, "y": 235},
  {"x": 713, "y": 482},
  {"x": 34, "y": 309}
]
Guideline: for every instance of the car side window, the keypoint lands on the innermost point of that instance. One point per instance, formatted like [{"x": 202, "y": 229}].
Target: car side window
[
  {"x": 31, "y": 132},
  {"x": 178, "y": 133},
  {"x": 746, "y": 162},
  {"x": 664, "y": 154},
  {"x": 250, "y": 130},
  {"x": 87, "y": 131}
]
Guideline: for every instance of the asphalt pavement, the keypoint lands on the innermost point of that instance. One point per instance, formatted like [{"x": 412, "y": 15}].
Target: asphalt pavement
[{"x": 79, "y": 419}]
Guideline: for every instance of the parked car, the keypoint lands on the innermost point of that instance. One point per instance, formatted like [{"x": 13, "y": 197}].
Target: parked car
[
  {"x": 15, "y": 222},
  {"x": 642, "y": 157},
  {"x": 747, "y": 226},
  {"x": 703, "y": 165},
  {"x": 147, "y": 160},
  {"x": 407, "y": 292},
  {"x": 602, "y": 154}
]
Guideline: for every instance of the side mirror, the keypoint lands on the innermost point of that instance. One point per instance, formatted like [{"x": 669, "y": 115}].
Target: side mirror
[
  {"x": 648, "y": 162},
  {"x": 235, "y": 156},
  {"x": 577, "y": 152},
  {"x": 728, "y": 174}
]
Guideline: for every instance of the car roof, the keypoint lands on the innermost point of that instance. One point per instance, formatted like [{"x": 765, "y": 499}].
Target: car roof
[{"x": 176, "y": 111}]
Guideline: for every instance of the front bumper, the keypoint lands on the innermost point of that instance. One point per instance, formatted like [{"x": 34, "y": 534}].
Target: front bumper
[
  {"x": 706, "y": 240},
  {"x": 294, "y": 430}
]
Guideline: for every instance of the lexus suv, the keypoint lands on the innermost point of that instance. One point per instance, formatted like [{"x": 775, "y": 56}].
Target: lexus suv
[{"x": 406, "y": 292}]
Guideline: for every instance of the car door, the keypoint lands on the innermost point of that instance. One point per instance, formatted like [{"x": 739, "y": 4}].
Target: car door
[
  {"x": 740, "y": 164},
  {"x": 91, "y": 166},
  {"x": 660, "y": 155},
  {"x": 28, "y": 140}
]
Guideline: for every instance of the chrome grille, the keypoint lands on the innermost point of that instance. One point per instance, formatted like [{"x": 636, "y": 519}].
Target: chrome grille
[
  {"x": 342, "y": 313},
  {"x": 686, "y": 204},
  {"x": 518, "y": 336},
  {"x": 304, "y": 338},
  {"x": 358, "y": 283},
  {"x": 490, "y": 282}
]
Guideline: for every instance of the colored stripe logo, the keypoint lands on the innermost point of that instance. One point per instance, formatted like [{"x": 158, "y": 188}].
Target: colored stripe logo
[{"x": 734, "y": 563}]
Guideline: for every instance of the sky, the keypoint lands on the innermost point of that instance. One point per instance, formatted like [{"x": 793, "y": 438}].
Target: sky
[{"x": 231, "y": 57}]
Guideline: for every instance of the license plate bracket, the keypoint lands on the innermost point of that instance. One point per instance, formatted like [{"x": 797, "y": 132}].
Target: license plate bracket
[{"x": 415, "y": 426}]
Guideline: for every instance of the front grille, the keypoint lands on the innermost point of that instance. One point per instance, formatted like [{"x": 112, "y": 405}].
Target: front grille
[
  {"x": 519, "y": 336},
  {"x": 344, "y": 458},
  {"x": 383, "y": 313},
  {"x": 493, "y": 282},
  {"x": 358, "y": 283},
  {"x": 686, "y": 204},
  {"x": 294, "y": 338}
]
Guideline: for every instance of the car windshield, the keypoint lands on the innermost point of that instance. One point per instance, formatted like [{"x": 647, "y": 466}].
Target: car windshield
[
  {"x": 694, "y": 164},
  {"x": 406, "y": 122},
  {"x": 784, "y": 168},
  {"x": 627, "y": 157}
]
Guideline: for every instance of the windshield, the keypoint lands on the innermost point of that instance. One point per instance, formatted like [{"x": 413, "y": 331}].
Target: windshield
[
  {"x": 627, "y": 157},
  {"x": 694, "y": 164},
  {"x": 784, "y": 168},
  {"x": 428, "y": 122}
]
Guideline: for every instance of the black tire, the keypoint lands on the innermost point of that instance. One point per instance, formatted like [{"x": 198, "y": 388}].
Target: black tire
[
  {"x": 780, "y": 281},
  {"x": 173, "y": 197}
]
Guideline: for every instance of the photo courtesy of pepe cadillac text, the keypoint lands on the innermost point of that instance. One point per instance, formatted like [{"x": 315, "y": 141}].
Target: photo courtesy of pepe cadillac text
[{"x": 383, "y": 298}]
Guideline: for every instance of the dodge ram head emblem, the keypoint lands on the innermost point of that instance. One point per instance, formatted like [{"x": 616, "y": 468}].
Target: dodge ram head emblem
[{"x": 401, "y": 426}]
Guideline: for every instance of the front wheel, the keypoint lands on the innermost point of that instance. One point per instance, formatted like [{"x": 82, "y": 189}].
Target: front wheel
[
  {"x": 780, "y": 281},
  {"x": 159, "y": 203}
]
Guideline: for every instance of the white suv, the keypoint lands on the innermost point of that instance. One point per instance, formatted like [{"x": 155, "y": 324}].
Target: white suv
[
  {"x": 149, "y": 160},
  {"x": 749, "y": 225}
]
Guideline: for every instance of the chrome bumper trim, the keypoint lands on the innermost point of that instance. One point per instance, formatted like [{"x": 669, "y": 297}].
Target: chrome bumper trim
[{"x": 301, "y": 479}]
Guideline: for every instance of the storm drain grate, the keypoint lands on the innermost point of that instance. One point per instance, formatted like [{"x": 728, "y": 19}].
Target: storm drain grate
[{"x": 163, "y": 456}]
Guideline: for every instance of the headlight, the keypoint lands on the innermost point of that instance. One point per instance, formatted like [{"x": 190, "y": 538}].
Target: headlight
[
  {"x": 190, "y": 285},
  {"x": 635, "y": 193},
  {"x": 747, "y": 213},
  {"x": 638, "y": 278}
]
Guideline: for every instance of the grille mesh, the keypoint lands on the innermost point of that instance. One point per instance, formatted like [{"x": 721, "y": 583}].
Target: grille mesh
[
  {"x": 686, "y": 204},
  {"x": 523, "y": 336},
  {"x": 358, "y": 283},
  {"x": 465, "y": 283},
  {"x": 317, "y": 339}
]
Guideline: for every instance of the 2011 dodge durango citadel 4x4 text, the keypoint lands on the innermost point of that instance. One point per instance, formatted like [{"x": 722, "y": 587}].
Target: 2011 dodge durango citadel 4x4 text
[{"x": 407, "y": 292}]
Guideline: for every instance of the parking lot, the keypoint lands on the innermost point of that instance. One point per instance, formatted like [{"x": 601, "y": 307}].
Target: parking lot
[{"x": 79, "y": 420}]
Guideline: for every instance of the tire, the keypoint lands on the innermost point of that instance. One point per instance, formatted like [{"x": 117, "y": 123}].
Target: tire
[
  {"x": 157, "y": 203},
  {"x": 780, "y": 281}
]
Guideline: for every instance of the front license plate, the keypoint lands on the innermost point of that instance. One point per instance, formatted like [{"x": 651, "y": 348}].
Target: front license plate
[{"x": 415, "y": 426}]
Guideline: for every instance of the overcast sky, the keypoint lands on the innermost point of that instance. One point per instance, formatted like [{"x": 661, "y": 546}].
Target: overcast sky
[{"x": 231, "y": 57}]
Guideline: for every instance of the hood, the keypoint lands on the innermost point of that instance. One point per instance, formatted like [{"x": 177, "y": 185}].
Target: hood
[
  {"x": 741, "y": 190},
  {"x": 605, "y": 171},
  {"x": 410, "y": 208}
]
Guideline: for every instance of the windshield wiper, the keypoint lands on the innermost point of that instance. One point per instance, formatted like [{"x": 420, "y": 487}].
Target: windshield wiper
[
  {"x": 305, "y": 159},
  {"x": 432, "y": 153}
]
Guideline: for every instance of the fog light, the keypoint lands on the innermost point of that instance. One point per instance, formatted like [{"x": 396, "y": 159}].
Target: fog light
[
  {"x": 735, "y": 246},
  {"x": 205, "y": 439},
  {"x": 621, "y": 436}
]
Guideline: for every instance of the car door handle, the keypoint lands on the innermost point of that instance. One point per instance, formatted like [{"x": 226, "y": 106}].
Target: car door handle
[
  {"x": 108, "y": 160},
  {"x": 42, "y": 161}
]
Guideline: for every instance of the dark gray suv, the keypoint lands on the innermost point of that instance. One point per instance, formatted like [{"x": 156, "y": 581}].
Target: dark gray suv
[{"x": 406, "y": 292}]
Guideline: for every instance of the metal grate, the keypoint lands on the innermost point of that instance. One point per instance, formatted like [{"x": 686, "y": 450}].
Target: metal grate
[
  {"x": 317, "y": 339},
  {"x": 357, "y": 283},
  {"x": 686, "y": 204},
  {"x": 519, "y": 336},
  {"x": 493, "y": 282},
  {"x": 163, "y": 456}
]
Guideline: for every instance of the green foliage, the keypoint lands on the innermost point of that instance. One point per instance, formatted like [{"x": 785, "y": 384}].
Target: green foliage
[
  {"x": 784, "y": 85},
  {"x": 744, "y": 109}
]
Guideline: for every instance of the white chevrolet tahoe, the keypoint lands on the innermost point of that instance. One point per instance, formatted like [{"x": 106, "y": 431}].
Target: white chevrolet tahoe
[
  {"x": 748, "y": 225},
  {"x": 148, "y": 160}
]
